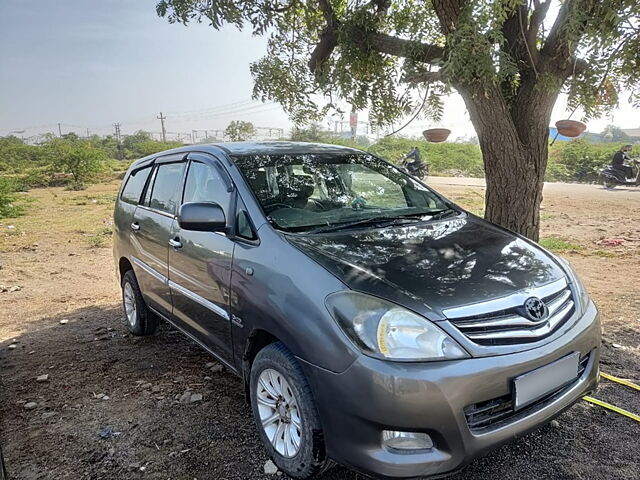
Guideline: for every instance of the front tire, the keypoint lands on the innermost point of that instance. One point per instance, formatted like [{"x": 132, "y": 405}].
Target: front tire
[
  {"x": 140, "y": 320},
  {"x": 285, "y": 413}
]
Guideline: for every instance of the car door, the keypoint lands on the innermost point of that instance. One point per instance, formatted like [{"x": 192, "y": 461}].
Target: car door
[
  {"x": 151, "y": 225},
  {"x": 200, "y": 262}
]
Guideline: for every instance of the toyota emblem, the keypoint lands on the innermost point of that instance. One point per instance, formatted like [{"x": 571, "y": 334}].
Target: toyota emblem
[{"x": 535, "y": 309}]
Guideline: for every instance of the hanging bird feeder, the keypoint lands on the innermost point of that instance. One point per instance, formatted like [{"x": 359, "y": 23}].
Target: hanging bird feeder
[
  {"x": 436, "y": 135},
  {"x": 570, "y": 128}
]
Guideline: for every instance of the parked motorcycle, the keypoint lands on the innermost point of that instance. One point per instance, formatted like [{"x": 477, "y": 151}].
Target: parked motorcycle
[
  {"x": 611, "y": 177},
  {"x": 420, "y": 171}
]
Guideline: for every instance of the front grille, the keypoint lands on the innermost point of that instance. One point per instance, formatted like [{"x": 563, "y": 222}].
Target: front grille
[
  {"x": 508, "y": 326},
  {"x": 497, "y": 411}
]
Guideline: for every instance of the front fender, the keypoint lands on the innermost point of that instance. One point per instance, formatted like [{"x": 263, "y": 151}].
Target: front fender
[{"x": 278, "y": 289}]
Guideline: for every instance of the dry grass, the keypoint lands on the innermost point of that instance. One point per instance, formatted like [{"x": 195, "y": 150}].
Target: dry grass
[{"x": 59, "y": 215}]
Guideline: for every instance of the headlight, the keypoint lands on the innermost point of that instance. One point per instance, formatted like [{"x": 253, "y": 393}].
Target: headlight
[
  {"x": 384, "y": 330},
  {"x": 578, "y": 286}
]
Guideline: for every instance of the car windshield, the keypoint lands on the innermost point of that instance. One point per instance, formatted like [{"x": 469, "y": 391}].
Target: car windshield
[{"x": 315, "y": 191}]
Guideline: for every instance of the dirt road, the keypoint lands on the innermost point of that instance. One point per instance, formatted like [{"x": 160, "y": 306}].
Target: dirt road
[{"x": 110, "y": 405}]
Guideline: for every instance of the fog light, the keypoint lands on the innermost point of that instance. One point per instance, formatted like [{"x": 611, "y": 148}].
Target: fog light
[{"x": 406, "y": 440}]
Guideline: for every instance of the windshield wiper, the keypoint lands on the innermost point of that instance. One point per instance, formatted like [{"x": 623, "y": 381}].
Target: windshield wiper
[
  {"x": 445, "y": 212},
  {"x": 381, "y": 220},
  {"x": 387, "y": 221}
]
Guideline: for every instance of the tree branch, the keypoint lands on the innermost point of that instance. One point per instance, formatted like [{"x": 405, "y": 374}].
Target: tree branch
[
  {"x": 448, "y": 13},
  {"x": 399, "y": 47},
  {"x": 379, "y": 42},
  {"x": 580, "y": 66},
  {"x": 553, "y": 39},
  {"x": 328, "y": 38},
  {"x": 557, "y": 49},
  {"x": 328, "y": 42},
  {"x": 513, "y": 30},
  {"x": 381, "y": 6},
  {"x": 423, "y": 77},
  {"x": 537, "y": 17}
]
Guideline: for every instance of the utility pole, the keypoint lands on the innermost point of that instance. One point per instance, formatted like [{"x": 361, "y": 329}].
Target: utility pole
[
  {"x": 194, "y": 134},
  {"x": 162, "y": 118},
  {"x": 59, "y": 130},
  {"x": 116, "y": 126}
]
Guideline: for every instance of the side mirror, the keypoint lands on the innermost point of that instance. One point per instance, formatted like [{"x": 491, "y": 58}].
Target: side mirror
[{"x": 202, "y": 217}]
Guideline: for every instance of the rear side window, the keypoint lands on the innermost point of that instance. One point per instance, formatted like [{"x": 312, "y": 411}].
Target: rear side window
[
  {"x": 167, "y": 187},
  {"x": 134, "y": 186}
]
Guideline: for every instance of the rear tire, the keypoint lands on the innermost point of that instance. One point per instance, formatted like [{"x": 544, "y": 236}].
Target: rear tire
[
  {"x": 285, "y": 413},
  {"x": 140, "y": 320}
]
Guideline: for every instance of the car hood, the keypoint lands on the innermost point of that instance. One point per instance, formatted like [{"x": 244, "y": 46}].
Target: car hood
[{"x": 430, "y": 267}]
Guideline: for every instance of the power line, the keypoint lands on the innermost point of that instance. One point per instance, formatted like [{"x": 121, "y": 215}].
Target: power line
[
  {"x": 219, "y": 107},
  {"x": 227, "y": 111},
  {"x": 243, "y": 110}
]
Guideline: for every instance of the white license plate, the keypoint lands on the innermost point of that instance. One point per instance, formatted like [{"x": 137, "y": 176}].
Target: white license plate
[{"x": 544, "y": 380}]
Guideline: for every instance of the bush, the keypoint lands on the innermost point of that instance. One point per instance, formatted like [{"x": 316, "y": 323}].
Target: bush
[
  {"x": 443, "y": 158},
  {"x": 76, "y": 157},
  {"x": 70, "y": 159},
  {"x": 579, "y": 160},
  {"x": 16, "y": 156},
  {"x": 150, "y": 147},
  {"x": 8, "y": 188}
]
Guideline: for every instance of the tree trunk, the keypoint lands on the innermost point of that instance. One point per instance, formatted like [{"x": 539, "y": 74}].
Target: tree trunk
[
  {"x": 515, "y": 176},
  {"x": 514, "y": 145}
]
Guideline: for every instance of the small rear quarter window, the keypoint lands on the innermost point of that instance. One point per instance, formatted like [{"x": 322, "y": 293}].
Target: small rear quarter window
[{"x": 134, "y": 186}]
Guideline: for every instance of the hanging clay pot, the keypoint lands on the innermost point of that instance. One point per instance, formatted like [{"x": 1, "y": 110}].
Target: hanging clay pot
[
  {"x": 436, "y": 135},
  {"x": 570, "y": 128}
]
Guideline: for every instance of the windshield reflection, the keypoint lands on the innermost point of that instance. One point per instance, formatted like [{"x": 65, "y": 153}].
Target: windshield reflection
[{"x": 303, "y": 192}]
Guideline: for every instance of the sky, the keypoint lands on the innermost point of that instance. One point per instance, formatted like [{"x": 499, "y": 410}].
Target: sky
[{"x": 90, "y": 63}]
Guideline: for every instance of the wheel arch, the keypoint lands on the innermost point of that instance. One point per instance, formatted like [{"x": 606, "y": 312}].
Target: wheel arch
[
  {"x": 124, "y": 265},
  {"x": 256, "y": 341}
]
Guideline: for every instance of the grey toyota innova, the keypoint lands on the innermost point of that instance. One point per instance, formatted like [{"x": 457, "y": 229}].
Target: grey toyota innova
[{"x": 373, "y": 322}]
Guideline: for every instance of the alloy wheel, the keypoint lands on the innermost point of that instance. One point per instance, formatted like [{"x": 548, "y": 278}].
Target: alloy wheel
[
  {"x": 130, "y": 307},
  {"x": 279, "y": 412}
]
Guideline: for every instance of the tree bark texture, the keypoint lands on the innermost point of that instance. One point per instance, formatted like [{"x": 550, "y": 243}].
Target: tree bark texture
[{"x": 514, "y": 145}]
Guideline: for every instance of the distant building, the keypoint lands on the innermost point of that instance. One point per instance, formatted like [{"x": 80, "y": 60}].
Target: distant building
[{"x": 634, "y": 133}]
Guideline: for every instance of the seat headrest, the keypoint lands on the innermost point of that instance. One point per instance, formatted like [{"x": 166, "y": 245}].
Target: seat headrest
[{"x": 299, "y": 186}]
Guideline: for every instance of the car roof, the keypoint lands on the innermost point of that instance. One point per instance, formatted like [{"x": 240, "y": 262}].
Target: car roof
[
  {"x": 281, "y": 148},
  {"x": 253, "y": 148}
]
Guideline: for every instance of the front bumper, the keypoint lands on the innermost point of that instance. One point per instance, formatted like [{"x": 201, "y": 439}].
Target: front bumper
[{"x": 374, "y": 395}]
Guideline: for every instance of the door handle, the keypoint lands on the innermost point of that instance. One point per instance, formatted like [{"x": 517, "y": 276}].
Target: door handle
[
  {"x": 135, "y": 226},
  {"x": 175, "y": 243}
]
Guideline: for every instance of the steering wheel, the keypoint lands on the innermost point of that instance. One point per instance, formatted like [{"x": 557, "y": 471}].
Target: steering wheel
[
  {"x": 272, "y": 206},
  {"x": 317, "y": 204}
]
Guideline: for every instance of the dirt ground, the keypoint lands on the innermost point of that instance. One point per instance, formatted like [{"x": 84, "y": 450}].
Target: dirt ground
[{"x": 110, "y": 409}]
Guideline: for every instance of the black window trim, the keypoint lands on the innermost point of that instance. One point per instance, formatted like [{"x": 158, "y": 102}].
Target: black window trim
[
  {"x": 232, "y": 214},
  {"x": 144, "y": 187},
  {"x": 237, "y": 211},
  {"x": 213, "y": 162},
  {"x": 163, "y": 160}
]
